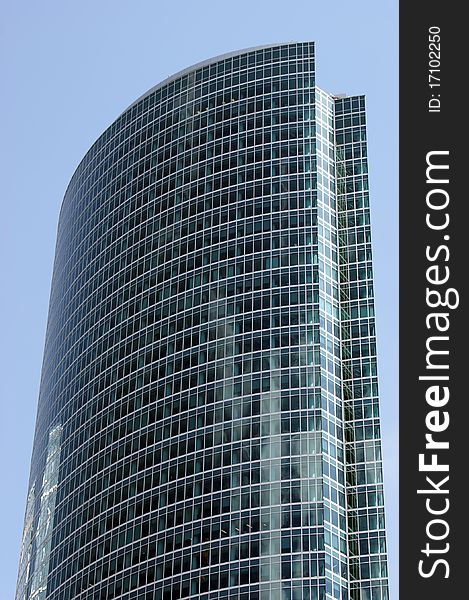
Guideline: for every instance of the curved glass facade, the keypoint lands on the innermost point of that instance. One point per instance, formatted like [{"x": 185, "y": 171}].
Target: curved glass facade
[{"x": 208, "y": 420}]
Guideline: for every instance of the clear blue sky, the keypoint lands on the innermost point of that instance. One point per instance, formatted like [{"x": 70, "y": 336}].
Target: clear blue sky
[{"x": 68, "y": 70}]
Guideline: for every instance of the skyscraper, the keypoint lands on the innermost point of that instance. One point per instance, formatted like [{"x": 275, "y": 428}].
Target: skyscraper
[{"x": 208, "y": 420}]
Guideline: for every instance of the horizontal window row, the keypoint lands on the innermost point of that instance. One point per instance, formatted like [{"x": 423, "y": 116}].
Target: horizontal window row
[
  {"x": 365, "y": 498},
  {"x": 160, "y": 341},
  {"x": 361, "y": 408},
  {"x": 230, "y": 584},
  {"x": 221, "y": 547},
  {"x": 224, "y": 456},
  {"x": 363, "y": 453},
  {"x": 90, "y": 279},
  {"x": 211, "y": 461},
  {"x": 180, "y": 149},
  {"x": 103, "y": 411},
  {"x": 119, "y": 199},
  {"x": 371, "y": 520},
  {"x": 133, "y": 324},
  {"x": 199, "y": 346},
  {"x": 359, "y": 432},
  {"x": 198, "y": 558},
  {"x": 360, "y": 389},
  {"x": 204, "y": 396},
  {"x": 87, "y": 526},
  {"x": 138, "y": 279}
]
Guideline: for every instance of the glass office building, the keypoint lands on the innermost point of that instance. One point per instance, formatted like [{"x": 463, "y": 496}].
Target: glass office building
[{"x": 208, "y": 421}]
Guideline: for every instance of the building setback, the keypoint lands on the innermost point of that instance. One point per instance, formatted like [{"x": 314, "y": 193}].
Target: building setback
[{"x": 208, "y": 419}]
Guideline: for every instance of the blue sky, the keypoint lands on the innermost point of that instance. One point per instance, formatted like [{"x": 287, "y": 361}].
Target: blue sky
[{"x": 69, "y": 69}]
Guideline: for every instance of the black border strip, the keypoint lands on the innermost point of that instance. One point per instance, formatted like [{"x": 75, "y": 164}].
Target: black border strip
[{"x": 432, "y": 119}]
